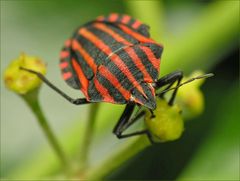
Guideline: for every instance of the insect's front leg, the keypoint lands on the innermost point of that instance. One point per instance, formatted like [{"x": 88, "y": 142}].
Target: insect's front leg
[
  {"x": 126, "y": 121},
  {"x": 169, "y": 80}
]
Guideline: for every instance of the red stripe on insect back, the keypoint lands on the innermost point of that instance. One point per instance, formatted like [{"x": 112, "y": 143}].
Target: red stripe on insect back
[
  {"x": 114, "y": 81},
  {"x": 63, "y": 65},
  {"x": 136, "y": 24},
  {"x": 81, "y": 77},
  {"x": 107, "y": 30},
  {"x": 121, "y": 65},
  {"x": 66, "y": 75},
  {"x": 125, "y": 19},
  {"x": 114, "y": 58},
  {"x": 139, "y": 64},
  {"x": 68, "y": 43},
  {"x": 136, "y": 35},
  {"x": 103, "y": 91},
  {"x": 113, "y": 17},
  {"x": 64, "y": 54},
  {"x": 77, "y": 46},
  {"x": 151, "y": 57}
]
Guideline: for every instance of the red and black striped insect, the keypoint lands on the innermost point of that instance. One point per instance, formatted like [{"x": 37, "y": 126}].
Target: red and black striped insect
[{"x": 113, "y": 59}]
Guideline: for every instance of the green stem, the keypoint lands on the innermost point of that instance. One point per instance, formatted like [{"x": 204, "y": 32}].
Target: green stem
[
  {"x": 88, "y": 136},
  {"x": 117, "y": 158},
  {"x": 31, "y": 99}
]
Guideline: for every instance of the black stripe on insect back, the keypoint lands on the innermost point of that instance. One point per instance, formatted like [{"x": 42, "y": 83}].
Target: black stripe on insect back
[
  {"x": 97, "y": 55},
  {"x": 117, "y": 47},
  {"x": 119, "y": 18},
  {"x": 106, "y": 38},
  {"x": 124, "y": 35},
  {"x": 93, "y": 92},
  {"x": 88, "y": 72},
  {"x": 148, "y": 65},
  {"x": 131, "y": 21},
  {"x": 113, "y": 91}
]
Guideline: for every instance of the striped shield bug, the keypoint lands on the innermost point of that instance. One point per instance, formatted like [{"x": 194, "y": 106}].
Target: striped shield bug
[{"x": 113, "y": 59}]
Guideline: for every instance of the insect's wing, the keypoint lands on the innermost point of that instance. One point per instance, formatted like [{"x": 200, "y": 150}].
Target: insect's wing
[
  {"x": 145, "y": 60},
  {"x": 108, "y": 87},
  {"x": 127, "y": 21},
  {"x": 150, "y": 56},
  {"x": 124, "y": 71},
  {"x": 130, "y": 71},
  {"x": 74, "y": 68},
  {"x": 118, "y": 75}
]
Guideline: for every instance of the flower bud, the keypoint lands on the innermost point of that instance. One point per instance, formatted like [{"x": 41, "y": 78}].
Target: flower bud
[
  {"x": 21, "y": 81},
  {"x": 166, "y": 124},
  {"x": 190, "y": 97}
]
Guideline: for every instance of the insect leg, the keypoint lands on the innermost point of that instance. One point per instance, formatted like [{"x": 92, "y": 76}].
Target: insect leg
[
  {"x": 45, "y": 80},
  {"x": 126, "y": 121},
  {"x": 169, "y": 80}
]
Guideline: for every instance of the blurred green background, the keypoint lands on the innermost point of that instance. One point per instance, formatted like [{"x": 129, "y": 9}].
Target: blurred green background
[{"x": 195, "y": 34}]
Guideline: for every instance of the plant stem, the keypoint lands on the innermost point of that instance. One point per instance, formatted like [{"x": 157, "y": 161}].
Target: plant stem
[
  {"x": 118, "y": 157},
  {"x": 88, "y": 136},
  {"x": 31, "y": 99}
]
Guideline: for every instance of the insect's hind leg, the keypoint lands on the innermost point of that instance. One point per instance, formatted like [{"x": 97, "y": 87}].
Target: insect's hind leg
[
  {"x": 169, "y": 80},
  {"x": 126, "y": 121},
  {"x": 78, "y": 101}
]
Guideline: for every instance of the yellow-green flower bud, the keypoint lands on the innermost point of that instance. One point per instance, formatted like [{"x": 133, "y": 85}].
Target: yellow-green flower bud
[
  {"x": 167, "y": 125},
  {"x": 21, "y": 81},
  {"x": 190, "y": 97}
]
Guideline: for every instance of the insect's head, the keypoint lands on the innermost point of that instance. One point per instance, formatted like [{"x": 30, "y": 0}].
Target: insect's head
[{"x": 144, "y": 94}]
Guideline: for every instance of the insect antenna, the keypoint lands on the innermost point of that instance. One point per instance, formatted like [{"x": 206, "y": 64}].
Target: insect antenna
[{"x": 188, "y": 81}]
